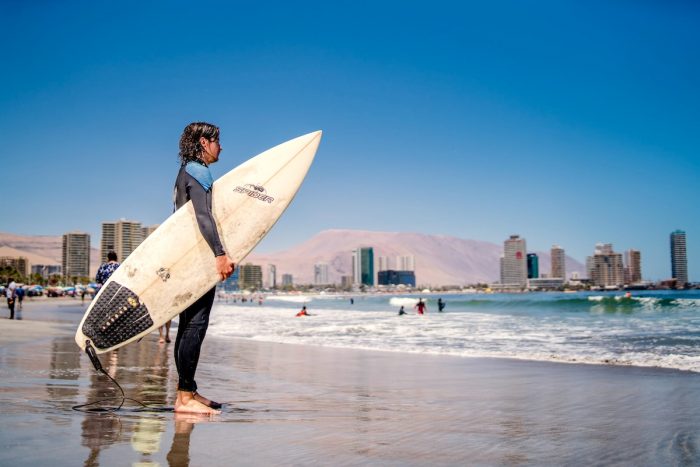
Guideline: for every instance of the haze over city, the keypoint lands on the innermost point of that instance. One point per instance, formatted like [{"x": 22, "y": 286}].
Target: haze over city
[{"x": 567, "y": 124}]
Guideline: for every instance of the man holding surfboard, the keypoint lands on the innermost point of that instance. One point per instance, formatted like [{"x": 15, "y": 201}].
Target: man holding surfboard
[{"x": 199, "y": 147}]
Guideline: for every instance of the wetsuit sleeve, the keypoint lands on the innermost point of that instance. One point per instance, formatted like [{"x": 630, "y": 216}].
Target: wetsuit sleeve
[{"x": 201, "y": 200}]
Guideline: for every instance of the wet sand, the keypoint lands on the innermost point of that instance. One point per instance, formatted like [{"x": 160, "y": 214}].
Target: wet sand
[{"x": 300, "y": 405}]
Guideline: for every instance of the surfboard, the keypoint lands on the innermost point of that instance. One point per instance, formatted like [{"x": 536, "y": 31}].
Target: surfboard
[{"x": 174, "y": 266}]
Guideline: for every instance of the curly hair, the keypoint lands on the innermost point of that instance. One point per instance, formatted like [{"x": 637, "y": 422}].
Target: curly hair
[{"x": 190, "y": 149}]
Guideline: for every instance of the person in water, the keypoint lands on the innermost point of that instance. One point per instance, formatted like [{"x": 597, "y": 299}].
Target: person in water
[
  {"x": 441, "y": 305},
  {"x": 199, "y": 148},
  {"x": 421, "y": 306},
  {"x": 401, "y": 311},
  {"x": 302, "y": 312}
]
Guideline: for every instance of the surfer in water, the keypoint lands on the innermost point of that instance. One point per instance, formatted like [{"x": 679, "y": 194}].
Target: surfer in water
[
  {"x": 199, "y": 147},
  {"x": 420, "y": 306}
]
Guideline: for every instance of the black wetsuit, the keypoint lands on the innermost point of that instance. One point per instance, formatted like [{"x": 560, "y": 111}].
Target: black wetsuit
[{"x": 195, "y": 319}]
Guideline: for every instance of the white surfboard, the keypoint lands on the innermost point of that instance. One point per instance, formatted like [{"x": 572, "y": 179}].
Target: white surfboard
[{"x": 174, "y": 266}]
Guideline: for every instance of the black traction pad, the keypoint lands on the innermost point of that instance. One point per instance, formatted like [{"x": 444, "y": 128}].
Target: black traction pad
[{"x": 117, "y": 316}]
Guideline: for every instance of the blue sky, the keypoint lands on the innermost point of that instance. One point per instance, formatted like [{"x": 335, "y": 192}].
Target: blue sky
[{"x": 564, "y": 122}]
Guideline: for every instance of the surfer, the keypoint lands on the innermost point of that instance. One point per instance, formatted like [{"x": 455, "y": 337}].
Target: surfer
[
  {"x": 302, "y": 312},
  {"x": 199, "y": 147},
  {"x": 420, "y": 306},
  {"x": 441, "y": 305},
  {"x": 401, "y": 311}
]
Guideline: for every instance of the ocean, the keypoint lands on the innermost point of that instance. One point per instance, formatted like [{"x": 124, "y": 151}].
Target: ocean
[{"x": 651, "y": 328}]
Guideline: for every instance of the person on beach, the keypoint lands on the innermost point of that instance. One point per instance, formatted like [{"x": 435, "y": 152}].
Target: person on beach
[
  {"x": 20, "y": 296},
  {"x": 199, "y": 147},
  {"x": 441, "y": 305},
  {"x": 401, "y": 311},
  {"x": 10, "y": 294},
  {"x": 164, "y": 333},
  {"x": 106, "y": 269},
  {"x": 421, "y": 306},
  {"x": 302, "y": 312}
]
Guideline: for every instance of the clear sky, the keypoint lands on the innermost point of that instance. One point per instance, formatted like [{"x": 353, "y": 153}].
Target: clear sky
[{"x": 565, "y": 122}]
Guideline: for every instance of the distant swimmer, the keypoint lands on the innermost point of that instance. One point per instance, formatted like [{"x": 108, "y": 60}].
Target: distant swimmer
[
  {"x": 421, "y": 306},
  {"x": 302, "y": 312},
  {"x": 628, "y": 295},
  {"x": 441, "y": 305},
  {"x": 401, "y": 311}
]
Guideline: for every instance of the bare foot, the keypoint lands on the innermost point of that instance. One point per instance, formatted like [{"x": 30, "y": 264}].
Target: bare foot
[
  {"x": 161, "y": 340},
  {"x": 186, "y": 403},
  {"x": 167, "y": 339},
  {"x": 207, "y": 402}
]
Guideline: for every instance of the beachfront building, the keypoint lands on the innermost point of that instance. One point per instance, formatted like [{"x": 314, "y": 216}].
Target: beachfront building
[
  {"x": 76, "y": 254},
  {"x": 250, "y": 276},
  {"x": 405, "y": 263},
  {"x": 272, "y": 276},
  {"x": 363, "y": 266},
  {"x": 384, "y": 263},
  {"x": 558, "y": 263},
  {"x": 321, "y": 274},
  {"x": 393, "y": 277},
  {"x": 346, "y": 282},
  {"x": 148, "y": 230},
  {"x": 47, "y": 270},
  {"x": 122, "y": 237},
  {"x": 514, "y": 263},
  {"x": 679, "y": 257},
  {"x": 533, "y": 266},
  {"x": 19, "y": 263},
  {"x": 607, "y": 268},
  {"x": 633, "y": 266},
  {"x": 287, "y": 280},
  {"x": 545, "y": 283}
]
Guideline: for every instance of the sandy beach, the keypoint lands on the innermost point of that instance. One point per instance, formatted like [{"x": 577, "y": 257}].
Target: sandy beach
[{"x": 301, "y": 405}]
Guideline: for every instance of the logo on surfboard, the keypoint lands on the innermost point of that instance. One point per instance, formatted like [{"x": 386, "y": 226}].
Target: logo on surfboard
[{"x": 254, "y": 191}]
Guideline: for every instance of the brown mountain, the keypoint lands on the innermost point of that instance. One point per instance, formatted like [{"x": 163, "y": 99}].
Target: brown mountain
[{"x": 439, "y": 259}]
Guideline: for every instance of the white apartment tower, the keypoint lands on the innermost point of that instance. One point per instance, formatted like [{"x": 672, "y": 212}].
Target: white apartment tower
[
  {"x": 514, "y": 262},
  {"x": 122, "y": 237},
  {"x": 321, "y": 274},
  {"x": 272, "y": 276},
  {"x": 606, "y": 267}
]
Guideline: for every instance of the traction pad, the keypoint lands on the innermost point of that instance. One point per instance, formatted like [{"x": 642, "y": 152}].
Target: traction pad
[{"x": 117, "y": 316}]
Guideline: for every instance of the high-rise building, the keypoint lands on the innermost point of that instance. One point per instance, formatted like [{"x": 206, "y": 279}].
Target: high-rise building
[
  {"x": 272, "y": 276},
  {"x": 250, "y": 276},
  {"x": 122, "y": 237},
  {"x": 363, "y": 266},
  {"x": 533, "y": 266},
  {"x": 321, "y": 274},
  {"x": 633, "y": 266},
  {"x": 19, "y": 263},
  {"x": 558, "y": 257},
  {"x": 514, "y": 262},
  {"x": 606, "y": 268},
  {"x": 384, "y": 263},
  {"x": 679, "y": 257},
  {"x": 76, "y": 254},
  {"x": 405, "y": 263},
  {"x": 287, "y": 280},
  {"x": 148, "y": 230}
]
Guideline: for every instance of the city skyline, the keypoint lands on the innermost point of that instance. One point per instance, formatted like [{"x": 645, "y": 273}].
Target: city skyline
[{"x": 569, "y": 123}]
